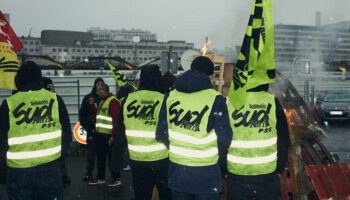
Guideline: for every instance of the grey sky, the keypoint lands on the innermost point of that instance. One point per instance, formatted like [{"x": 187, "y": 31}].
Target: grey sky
[{"x": 223, "y": 21}]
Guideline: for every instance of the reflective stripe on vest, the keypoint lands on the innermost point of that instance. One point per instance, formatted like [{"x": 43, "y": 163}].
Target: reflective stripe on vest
[
  {"x": 104, "y": 122},
  {"x": 141, "y": 113},
  {"x": 190, "y": 143},
  {"x": 253, "y": 150},
  {"x": 34, "y": 136}
]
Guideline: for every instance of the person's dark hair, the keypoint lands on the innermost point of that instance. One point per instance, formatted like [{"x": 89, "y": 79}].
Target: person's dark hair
[
  {"x": 203, "y": 64},
  {"x": 28, "y": 76},
  {"x": 124, "y": 91},
  {"x": 151, "y": 78},
  {"x": 93, "y": 91},
  {"x": 105, "y": 88},
  {"x": 47, "y": 83}
]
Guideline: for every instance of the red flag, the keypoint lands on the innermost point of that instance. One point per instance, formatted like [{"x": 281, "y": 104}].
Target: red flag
[
  {"x": 8, "y": 35},
  {"x": 9, "y": 63}
]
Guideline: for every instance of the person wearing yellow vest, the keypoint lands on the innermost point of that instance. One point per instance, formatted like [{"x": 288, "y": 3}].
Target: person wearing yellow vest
[
  {"x": 194, "y": 125},
  {"x": 137, "y": 123},
  {"x": 31, "y": 128},
  {"x": 106, "y": 118},
  {"x": 259, "y": 147},
  {"x": 87, "y": 120}
]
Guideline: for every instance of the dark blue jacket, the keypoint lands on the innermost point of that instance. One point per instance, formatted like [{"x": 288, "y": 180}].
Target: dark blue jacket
[{"x": 206, "y": 179}]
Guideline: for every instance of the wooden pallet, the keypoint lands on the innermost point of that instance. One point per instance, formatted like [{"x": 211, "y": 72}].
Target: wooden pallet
[{"x": 331, "y": 181}]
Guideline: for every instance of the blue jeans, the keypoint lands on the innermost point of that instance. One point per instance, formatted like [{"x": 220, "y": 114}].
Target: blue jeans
[
  {"x": 41, "y": 182},
  {"x": 187, "y": 196}
]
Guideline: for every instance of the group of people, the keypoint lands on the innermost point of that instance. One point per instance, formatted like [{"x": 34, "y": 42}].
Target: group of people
[{"x": 187, "y": 141}]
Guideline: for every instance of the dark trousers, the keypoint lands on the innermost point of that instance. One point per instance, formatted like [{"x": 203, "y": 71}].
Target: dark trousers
[
  {"x": 91, "y": 157},
  {"x": 260, "y": 188},
  {"x": 64, "y": 153},
  {"x": 187, "y": 196},
  {"x": 42, "y": 182},
  {"x": 103, "y": 151},
  {"x": 144, "y": 180}
]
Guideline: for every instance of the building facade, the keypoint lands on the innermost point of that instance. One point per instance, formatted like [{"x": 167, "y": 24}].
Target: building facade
[
  {"x": 121, "y": 35},
  {"x": 327, "y": 43},
  {"x": 70, "y": 47}
]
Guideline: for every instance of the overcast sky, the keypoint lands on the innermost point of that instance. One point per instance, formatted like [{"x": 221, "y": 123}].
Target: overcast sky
[{"x": 223, "y": 21}]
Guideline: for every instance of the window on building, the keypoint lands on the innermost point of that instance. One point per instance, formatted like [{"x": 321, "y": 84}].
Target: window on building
[
  {"x": 36, "y": 50},
  {"x": 140, "y": 52},
  {"x": 123, "y": 51},
  {"x": 25, "y": 50},
  {"x": 65, "y": 50},
  {"x": 111, "y": 51},
  {"x": 31, "y": 50},
  {"x": 78, "y": 50},
  {"x": 119, "y": 51},
  {"x": 36, "y": 43},
  {"x": 83, "y": 50},
  {"x": 150, "y": 52},
  {"x": 54, "y": 50},
  {"x": 96, "y": 50},
  {"x": 73, "y": 50},
  {"x": 154, "y": 52},
  {"x": 89, "y": 50},
  {"x": 54, "y": 57},
  {"x": 101, "y": 51},
  {"x": 25, "y": 42},
  {"x": 59, "y": 50},
  {"x": 73, "y": 57},
  {"x": 129, "y": 58},
  {"x": 31, "y": 42}
]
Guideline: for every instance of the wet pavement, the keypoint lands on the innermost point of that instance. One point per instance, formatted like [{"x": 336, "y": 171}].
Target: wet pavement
[
  {"x": 78, "y": 189},
  {"x": 338, "y": 141}
]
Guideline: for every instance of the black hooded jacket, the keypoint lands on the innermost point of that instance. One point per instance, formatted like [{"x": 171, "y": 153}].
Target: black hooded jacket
[
  {"x": 24, "y": 82},
  {"x": 203, "y": 179},
  {"x": 86, "y": 118}
]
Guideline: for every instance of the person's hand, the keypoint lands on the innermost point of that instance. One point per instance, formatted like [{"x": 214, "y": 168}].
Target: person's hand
[
  {"x": 91, "y": 100},
  {"x": 110, "y": 141}
]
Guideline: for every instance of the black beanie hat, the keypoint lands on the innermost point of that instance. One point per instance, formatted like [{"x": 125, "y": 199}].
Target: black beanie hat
[
  {"x": 203, "y": 64},
  {"x": 28, "y": 73},
  {"x": 151, "y": 78}
]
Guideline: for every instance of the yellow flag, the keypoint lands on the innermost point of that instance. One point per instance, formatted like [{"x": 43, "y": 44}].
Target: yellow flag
[
  {"x": 256, "y": 61},
  {"x": 9, "y": 63},
  {"x": 119, "y": 77}
]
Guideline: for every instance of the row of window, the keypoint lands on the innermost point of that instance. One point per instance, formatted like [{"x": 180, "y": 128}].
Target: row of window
[
  {"x": 30, "y": 42},
  {"x": 30, "y": 50},
  {"x": 85, "y": 57},
  {"x": 102, "y": 51}
]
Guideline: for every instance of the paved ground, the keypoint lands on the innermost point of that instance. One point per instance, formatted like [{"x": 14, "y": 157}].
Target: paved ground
[
  {"x": 338, "y": 142},
  {"x": 79, "y": 190}
]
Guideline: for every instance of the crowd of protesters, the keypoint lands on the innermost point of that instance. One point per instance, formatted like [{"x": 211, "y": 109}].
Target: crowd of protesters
[{"x": 176, "y": 134}]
